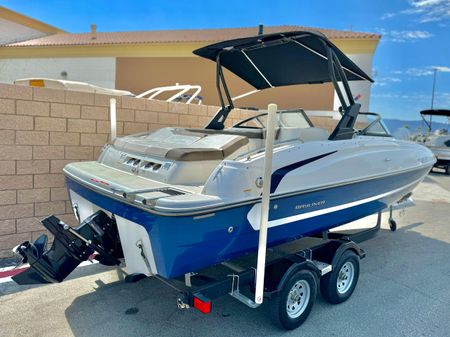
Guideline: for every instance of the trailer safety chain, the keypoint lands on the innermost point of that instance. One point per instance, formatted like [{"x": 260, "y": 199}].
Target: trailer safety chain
[
  {"x": 181, "y": 304},
  {"x": 140, "y": 245},
  {"x": 168, "y": 283}
]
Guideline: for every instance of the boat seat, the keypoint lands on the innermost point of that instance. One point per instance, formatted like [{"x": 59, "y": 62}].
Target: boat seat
[
  {"x": 181, "y": 144},
  {"x": 199, "y": 153},
  {"x": 252, "y": 133}
]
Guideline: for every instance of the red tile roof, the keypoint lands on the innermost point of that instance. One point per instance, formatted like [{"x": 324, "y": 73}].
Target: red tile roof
[{"x": 173, "y": 36}]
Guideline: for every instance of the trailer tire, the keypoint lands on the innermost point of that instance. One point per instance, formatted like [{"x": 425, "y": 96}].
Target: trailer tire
[
  {"x": 392, "y": 225},
  {"x": 338, "y": 285},
  {"x": 290, "y": 307}
]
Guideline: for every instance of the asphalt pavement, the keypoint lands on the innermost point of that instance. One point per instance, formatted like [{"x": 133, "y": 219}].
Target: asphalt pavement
[{"x": 403, "y": 290}]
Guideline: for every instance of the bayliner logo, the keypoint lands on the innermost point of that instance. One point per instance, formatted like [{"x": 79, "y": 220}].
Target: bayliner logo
[{"x": 312, "y": 204}]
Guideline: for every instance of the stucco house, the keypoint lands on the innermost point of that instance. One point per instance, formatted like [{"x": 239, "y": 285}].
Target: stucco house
[{"x": 139, "y": 60}]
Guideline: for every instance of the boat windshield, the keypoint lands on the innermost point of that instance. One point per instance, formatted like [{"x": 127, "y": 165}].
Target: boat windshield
[
  {"x": 285, "y": 118},
  {"x": 370, "y": 124}
]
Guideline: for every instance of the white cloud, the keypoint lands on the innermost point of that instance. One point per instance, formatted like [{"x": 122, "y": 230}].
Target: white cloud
[
  {"x": 424, "y": 10},
  {"x": 425, "y": 3},
  {"x": 419, "y": 71},
  {"x": 429, "y": 10},
  {"x": 442, "y": 97},
  {"x": 442, "y": 69},
  {"x": 426, "y": 71},
  {"x": 392, "y": 96},
  {"x": 405, "y": 35},
  {"x": 414, "y": 34},
  {"x": 387, "y": 16},
  {"x": 383, "y": 81}
]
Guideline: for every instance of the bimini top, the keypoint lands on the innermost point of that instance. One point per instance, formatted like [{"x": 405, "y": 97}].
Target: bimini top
[
  {"x": 281, "y": 59},
  {"x": 436, "y": 112}
]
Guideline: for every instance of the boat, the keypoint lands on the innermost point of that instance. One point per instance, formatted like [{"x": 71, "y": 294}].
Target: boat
[
  {"x": 176, "y": 200},
  {"x": 59, "y": 84},
  {"x": 181, "y": 93},
  {"x": 439, "y": 140}
]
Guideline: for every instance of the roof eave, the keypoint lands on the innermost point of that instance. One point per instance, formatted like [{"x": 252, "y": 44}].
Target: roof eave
[{"x": 24, "y": 20}]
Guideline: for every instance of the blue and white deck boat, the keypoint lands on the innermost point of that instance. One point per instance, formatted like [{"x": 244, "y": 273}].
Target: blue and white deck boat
[{"x": 184, "y": 199}]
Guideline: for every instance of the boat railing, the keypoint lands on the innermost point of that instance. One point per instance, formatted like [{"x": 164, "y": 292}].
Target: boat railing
[{"x": 180, "y": 96}]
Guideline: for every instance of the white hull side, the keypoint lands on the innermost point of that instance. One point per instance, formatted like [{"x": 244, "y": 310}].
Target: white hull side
[{"x": 131, "y": 234}]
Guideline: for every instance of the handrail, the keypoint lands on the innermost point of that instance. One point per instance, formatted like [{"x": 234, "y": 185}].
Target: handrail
[
  {"x": 377, "y": 119},
  {"x": 182, "y": 88}
]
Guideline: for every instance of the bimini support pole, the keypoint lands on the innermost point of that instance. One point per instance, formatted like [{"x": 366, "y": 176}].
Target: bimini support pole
[
  {"x": 265, "y": 203},
  {"x": 113, "y": 118}
]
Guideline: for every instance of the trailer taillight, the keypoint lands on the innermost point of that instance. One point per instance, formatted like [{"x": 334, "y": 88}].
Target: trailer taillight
[{"x": 203, "y": 306}]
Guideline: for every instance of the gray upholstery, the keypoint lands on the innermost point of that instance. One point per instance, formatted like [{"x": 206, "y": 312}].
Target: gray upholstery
[
  {"x": 191, "y": 154},
  {"x": 182, "y": 144}
]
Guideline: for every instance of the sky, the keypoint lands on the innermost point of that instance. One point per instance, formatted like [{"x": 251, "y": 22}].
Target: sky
[{"x": 416, "y": 33}]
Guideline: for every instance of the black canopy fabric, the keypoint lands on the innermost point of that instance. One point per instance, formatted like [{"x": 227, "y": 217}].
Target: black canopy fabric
[
  {"x": 436, "y": 112},
  {"x": 281, "y": 59}
]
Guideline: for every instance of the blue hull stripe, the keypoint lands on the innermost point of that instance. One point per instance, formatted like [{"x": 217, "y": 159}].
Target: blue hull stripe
[{"x": 186, "y": 243}]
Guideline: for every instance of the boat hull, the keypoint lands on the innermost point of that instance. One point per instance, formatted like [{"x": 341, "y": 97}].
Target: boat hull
[
  {"x": 442, "y": 155},
  {"x": 186, "y": 243}
]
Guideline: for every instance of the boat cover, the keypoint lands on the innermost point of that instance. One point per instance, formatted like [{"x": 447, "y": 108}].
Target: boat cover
[{"x": 281, "y": 59}]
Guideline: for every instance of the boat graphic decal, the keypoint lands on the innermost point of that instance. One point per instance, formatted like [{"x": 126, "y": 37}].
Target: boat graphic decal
[
  {"x": 254, "y": 215},
  {"x": 279, "y": 174}
]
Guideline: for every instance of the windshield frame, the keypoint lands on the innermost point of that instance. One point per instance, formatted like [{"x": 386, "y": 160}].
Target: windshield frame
[
  {"x": 279, "y": 112},
  {"x": 378, "y": 119}
]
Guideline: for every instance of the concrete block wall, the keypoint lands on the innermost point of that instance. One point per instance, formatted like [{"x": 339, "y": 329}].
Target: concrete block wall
[{"x": 41, "y": 130}]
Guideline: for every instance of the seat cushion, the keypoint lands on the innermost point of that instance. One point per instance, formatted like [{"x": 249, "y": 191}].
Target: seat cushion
[
  {"x": 198, "y": 153},
  {"x": 181, "y": 144}
]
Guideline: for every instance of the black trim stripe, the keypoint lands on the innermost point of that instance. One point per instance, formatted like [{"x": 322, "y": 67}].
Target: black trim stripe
[{"x": 279, "y": 174}]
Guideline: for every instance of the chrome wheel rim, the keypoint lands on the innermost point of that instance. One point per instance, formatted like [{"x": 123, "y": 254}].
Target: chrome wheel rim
[
  {"x": 298, "y": 299},
  {"x": 345, "y": 277}
]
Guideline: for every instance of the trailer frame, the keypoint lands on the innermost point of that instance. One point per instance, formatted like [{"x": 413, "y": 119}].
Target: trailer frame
[{"x": 318, "y": 255}]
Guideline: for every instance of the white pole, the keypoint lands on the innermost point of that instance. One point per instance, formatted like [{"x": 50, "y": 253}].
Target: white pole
[
  {"x": 113, "y": 118},
  {"x": 265, "y": 200}
]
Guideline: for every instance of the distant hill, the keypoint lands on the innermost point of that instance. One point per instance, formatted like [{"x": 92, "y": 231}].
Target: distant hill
[{"x": 413, "y": 126}]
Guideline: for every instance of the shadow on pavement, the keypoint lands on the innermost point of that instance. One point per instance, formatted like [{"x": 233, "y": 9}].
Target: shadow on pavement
[{"x": 9, "y": 288}]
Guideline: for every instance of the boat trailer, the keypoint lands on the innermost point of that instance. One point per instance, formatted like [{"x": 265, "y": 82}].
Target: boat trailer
[{"x": 294, "y": 273}]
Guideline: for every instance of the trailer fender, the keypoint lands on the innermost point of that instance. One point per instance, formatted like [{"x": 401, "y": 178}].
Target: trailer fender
[
  {"x": 295, "y": 267},
  {"x": 349, "y": 245}
]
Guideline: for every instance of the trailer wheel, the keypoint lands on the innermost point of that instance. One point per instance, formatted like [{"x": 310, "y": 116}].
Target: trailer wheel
[
  {"x": 293, "y": 303},
  {"x": 392, "y": 225},
  {"x": 338, "y": 285}
]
